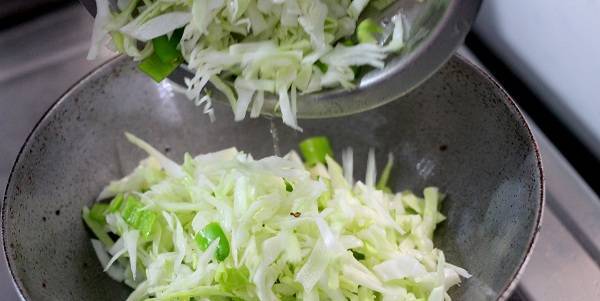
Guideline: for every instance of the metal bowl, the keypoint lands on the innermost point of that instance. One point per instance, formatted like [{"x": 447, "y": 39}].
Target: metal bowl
[{"x": 459, "y": 131}]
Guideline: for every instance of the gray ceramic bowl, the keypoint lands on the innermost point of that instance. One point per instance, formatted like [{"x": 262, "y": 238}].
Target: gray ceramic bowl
[{"x": 459, "y": 131}]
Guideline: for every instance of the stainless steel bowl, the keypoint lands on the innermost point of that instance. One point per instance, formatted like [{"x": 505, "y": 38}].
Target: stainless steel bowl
[
  {"x": 434, "y": 29},
  {"x": 459, "y": 131}
]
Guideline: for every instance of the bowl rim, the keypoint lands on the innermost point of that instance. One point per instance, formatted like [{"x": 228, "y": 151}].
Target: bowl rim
[
  {"x": 503, "y": 294},
  {"x": 508, "y": 289}
]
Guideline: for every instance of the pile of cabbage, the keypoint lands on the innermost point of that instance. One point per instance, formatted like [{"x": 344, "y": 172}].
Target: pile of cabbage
[
  {"x": 224, "y": 226},
  {"x": 246, "y": 48}
]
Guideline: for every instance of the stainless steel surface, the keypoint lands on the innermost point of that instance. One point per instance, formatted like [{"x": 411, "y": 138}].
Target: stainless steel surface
[
  {"x": 78, "y": 147},
  {"x": 434, "y": 29},
  {"x": 566, "y": 263},
  {"x": 55, "y": 50}
]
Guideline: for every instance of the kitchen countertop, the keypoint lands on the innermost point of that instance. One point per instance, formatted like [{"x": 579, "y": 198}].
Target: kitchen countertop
[{"x": 39, "y": 60}]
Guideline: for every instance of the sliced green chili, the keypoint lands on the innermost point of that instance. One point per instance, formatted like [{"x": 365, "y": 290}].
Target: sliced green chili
[
  {"x": 115, "y": 204},
  {"x": 96, "y": 228},
  {"x": 133, "y": 213},
  {"x": 130, "y": 211},
  {"x": 98, "y": 212},
  {"x": 208, "y": 234},
  {"x": 166, "y": 48},
  {"x": 367, "y": 30},
  {"x": 157, "y": 69},
  {"x": 315, "y": 149},
  {"x": 145, "y": 222}
]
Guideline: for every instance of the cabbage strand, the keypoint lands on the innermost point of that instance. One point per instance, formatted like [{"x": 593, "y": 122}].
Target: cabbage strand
[{"x": 225, "y": 226}]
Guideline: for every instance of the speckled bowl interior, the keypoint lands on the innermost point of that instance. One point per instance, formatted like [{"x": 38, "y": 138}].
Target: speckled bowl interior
[{"x": 458, "y": 131}]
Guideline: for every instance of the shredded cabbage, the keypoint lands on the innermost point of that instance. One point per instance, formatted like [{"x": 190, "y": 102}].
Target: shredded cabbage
[
  {"x": 246, "y": 48},
  {"x": 226, "y": 226}
]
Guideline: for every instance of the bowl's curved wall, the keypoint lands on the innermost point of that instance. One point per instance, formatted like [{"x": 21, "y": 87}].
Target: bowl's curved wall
[{"x": 459, "y": 131}]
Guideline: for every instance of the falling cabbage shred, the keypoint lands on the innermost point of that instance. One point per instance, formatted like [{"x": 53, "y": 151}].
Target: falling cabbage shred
[
  {"x": 225, "y": 226},
  {"x": 246, "y": 48}
]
